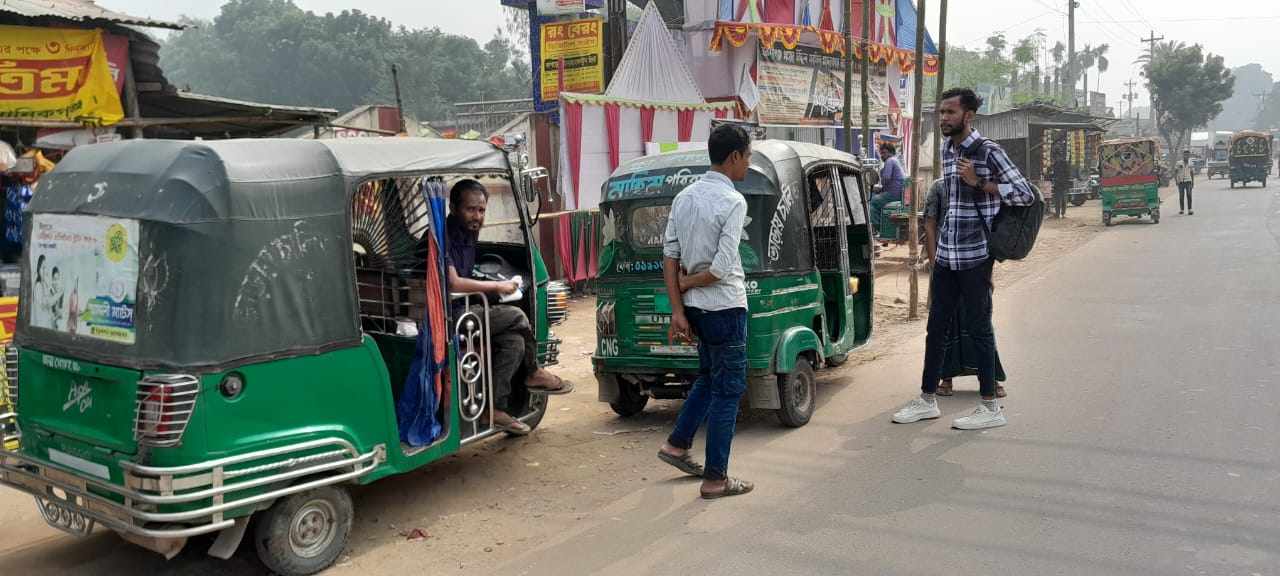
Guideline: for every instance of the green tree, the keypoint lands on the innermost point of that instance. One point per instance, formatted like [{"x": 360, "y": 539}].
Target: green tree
[
  {"x": 1187, "y": 87},
  {"x": 1024, "y": 55},
  {"x": 995, "y": 47},
  {"x": 273, "y": 51}
]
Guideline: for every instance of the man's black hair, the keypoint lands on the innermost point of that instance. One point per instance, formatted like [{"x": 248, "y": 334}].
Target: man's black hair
[
  {"x": 888, "y": 146},
  {"x": 725, "y": 140},
  {"x": 464, "y": 187},
  {"x": 968, "y": 99}
]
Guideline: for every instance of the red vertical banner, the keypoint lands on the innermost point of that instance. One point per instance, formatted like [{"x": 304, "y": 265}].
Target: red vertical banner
[
  {"x": 780, "y": 12},
  {"x": 686, "y": 125},
  {"x": 646, "y": 125},
  {"x": 573, "y": 124},
  {"x": 612, "y": 124}
]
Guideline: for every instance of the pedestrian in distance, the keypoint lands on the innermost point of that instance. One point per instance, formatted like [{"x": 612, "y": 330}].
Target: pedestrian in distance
[
  {"x": 978, "y": 178},
  {"x": 706, "y": 284},
  {"x": 1186, "y": 182}
]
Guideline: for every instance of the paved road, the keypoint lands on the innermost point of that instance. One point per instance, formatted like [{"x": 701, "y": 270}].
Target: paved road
[
  {"x": 1142, "y": 437},
  {"x": 1142, "y": 441}
]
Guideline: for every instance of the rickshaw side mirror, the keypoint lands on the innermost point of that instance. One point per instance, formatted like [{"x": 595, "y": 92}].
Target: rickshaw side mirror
[{"x": 534, "y": 183}]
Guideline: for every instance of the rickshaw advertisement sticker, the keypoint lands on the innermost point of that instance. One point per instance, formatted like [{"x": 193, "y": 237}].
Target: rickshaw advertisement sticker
[{"x": 85, "y": 276}]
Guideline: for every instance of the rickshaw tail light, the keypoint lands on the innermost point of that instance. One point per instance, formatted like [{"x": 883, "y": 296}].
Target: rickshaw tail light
[{"x": 165, "y": 405}]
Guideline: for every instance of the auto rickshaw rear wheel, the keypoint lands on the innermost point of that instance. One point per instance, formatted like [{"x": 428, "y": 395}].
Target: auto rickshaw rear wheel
[
  {"x": 1155, "y": 216},
  {"x": 1106, "y": 218},
  {"x": 1078, "y": 200},
  {"x": 304, "y": 533},
  {"x": 631, "y": 400},
  {"x": 798, "y": 392},
  {"x": 837, "y": 360}
]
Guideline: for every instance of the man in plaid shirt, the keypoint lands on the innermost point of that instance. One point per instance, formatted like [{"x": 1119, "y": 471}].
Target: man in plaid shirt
[{"x": 979, "y": 178}]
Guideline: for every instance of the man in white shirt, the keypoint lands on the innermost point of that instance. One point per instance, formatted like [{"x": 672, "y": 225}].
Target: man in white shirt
[
  {"x": 706, "y": 284},
  {"x": 1186, "y": 181}
]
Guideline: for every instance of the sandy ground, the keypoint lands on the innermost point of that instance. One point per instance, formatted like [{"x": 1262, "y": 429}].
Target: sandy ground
[{"x": 484, "y": 506}]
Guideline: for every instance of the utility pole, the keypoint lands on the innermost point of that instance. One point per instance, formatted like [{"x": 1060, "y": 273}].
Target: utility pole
[
  {"x": 1131, "y": 96},
  {"x": 1071, "y": 49},
  {"x": 866, "y": 90},
  {"x": 1151, "y": 56},
  {"x": 848, "y": 77},
  {"x": 617, "y": 36},
  {"x": 917, "y": 133},
  {"x": 395, "y": 81},
  {"x": 941, "y": 85}
]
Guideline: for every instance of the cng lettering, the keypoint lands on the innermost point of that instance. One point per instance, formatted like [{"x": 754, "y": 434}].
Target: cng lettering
[{"x": 608, "y": 347}]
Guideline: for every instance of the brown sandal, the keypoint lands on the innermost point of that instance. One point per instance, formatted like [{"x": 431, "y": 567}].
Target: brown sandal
[
  {"x": 1000, "y": 393},
  {"x": 555, "y": 387},
  {"x": 684, "y": 463},
  {"x": 945, "y": 388},
  {"x": 732, "y": 487}
]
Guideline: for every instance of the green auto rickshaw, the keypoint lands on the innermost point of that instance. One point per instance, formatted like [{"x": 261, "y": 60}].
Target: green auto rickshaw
[
  {"x": 806, "y": 249},
  {"x": 1250, "y": 157},
  {"x": 1130, "y": 178},
  {"x": 211, "y": 331}
]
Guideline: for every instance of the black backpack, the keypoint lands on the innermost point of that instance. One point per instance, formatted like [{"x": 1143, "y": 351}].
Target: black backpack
[{"x": 1013, "y": 231}]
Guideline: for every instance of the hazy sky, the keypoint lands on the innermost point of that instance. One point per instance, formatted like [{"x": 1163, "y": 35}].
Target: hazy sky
[{"x": 1240, "y": 30}]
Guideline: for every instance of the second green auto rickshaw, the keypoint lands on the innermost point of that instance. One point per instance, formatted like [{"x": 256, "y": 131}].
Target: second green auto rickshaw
[{"x": 806, "y": 249}]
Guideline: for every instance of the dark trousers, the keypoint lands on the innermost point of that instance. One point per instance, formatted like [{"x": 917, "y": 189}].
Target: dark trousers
[
  {"x": 947, "y": 290},
  {"x": 1184, "y": 195},
  {"x": 722, "y": 379},
  {"x": 514, "y": 347}
]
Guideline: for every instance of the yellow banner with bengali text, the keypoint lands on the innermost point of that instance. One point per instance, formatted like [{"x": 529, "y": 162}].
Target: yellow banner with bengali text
[{"x": 56, "y": 74}]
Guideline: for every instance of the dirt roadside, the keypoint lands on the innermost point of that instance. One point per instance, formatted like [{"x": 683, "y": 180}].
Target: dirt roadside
[
  {"x": 491, "y": 503},
  {"x": 484, "y": 506}
]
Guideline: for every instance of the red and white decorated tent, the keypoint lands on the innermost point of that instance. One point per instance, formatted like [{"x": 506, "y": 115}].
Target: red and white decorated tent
[{"x": 652, "y": 98}]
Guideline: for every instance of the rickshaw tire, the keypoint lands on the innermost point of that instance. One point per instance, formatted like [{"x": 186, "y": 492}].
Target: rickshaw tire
[
  {"x": 801, "y": 380},
  {"x": 630, "y": 400},
  {"x": 1078, "y": 200},
  {"x": 537, "y": 418},
  {"x": 272, "y": 531},
  {"x": 837, "y": 360}
]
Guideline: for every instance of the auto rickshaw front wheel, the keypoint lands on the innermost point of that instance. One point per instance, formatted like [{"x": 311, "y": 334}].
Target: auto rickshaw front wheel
[
  {"x": 304, "y": 533},
  {"x": 798, "y": 392}
]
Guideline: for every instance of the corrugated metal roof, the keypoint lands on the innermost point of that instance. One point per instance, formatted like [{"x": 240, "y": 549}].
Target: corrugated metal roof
[{"x": 79, "y": 10}]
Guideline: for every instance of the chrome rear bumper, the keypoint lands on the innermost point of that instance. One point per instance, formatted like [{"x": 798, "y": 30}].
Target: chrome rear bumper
[{"x": 216, "y": 487}]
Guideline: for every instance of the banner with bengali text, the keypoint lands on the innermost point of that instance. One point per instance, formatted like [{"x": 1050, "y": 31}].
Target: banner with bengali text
[{"x": 56, "y": 74}]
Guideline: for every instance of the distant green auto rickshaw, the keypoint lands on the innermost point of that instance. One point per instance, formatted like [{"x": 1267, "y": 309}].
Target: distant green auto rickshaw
[
  {"x": 1130, "y": 178},
  {"x": 1250, "y": 157},
  {"x": 806, "y": 249}
]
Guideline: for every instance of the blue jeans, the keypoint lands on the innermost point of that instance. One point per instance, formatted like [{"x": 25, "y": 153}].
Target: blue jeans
[{"x": 722, "y": 379}]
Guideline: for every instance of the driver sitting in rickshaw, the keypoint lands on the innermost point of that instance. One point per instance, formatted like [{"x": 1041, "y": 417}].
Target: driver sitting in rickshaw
[{"x": 510, "y": 333}]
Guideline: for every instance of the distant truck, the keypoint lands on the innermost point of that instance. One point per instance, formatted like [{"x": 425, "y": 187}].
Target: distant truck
[{"x": 1219, "y": 160}]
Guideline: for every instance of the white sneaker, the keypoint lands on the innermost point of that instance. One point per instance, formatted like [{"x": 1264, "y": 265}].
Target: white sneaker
[
  {"x": 917, "y": 410},
  {"x": 981, "y": 419}
]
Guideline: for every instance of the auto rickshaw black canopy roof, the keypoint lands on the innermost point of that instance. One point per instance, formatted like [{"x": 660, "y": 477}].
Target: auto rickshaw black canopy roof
[
  {"x": 245, "y": 245},
  {"x": 780, "y": 161}
]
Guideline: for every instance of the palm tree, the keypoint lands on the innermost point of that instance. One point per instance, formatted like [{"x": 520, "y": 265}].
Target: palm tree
[
  {"x": 1059, "y": 54},
  {"x": 1023, "y": 55},
  {"x": 1101, "y": 62}
]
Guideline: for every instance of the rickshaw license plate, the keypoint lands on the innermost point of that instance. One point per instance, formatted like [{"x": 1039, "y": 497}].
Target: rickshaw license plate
[{"x": 65, "y": 479}]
